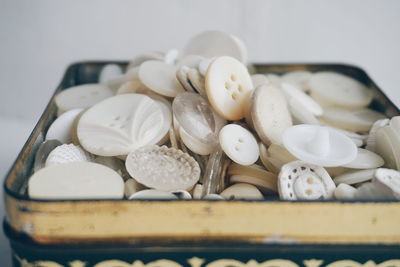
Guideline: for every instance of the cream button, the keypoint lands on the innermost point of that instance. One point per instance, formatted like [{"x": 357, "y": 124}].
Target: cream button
[
  {"x": 304, "y": 100},
  {"x": 216, "y": 43},
  {"x": 163, "y": 168},
  {"x": 256, "y": 174},
  {"x": 339, "y": 90},
  {"x": 270, "y": 114},
  {"x": 160, "y": 77},
  {"x": 61, "y": 128},
  {"x": 388, "y": 179},
  {"x": 242, "y": 191},
  {"x": 387, "y": 146},
  {"x": 271, "y": 164},
  {"x": 123, "y": 123},
  {"x": 239, "y": 144},
  {"x": 109, "y": 72},
  {"x": 151, "y": 194},
  {"x": 365, "y": 160},
  {"x": 228, "y": 85},
  {"x": 355, "y": 177},
  {"x": 360, "y": 120},
  {"x": 299, "y": 79},
  {"x": 345, "y": 192},
  {"x": 300, "y": 180},
  {"x": 319, "y": 145},
  {"x": 371, "y": 140},
  {"x": 76, "y": 180},
  {"x": 82, "y": 96},
  {"x": 259, "y": 79}
]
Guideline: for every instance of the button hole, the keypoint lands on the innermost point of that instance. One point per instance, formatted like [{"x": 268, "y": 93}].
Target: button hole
[
  {"x": 227, "y": 86},
  {"x": 233, "y": 77},
  {"x": 234, "y": 96}
]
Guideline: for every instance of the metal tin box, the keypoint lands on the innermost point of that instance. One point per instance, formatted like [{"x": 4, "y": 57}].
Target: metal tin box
[{"x": 122, "y": 233}]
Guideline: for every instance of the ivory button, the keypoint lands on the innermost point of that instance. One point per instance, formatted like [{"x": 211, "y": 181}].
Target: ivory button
[{"x": 228, "y": 85}]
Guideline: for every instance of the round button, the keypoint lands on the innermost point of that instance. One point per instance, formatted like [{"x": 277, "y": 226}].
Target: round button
[
  {"x": 160, "y": 77},
  {"x": 239, "y": 144},
  {"x": 228, "y": 85}
]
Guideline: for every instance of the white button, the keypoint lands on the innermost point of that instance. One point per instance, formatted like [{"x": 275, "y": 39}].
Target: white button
[
  {"x": 160, "y": 78},
  {"x": 280, "y": 153},
  {"x": 215, "y": 43},
  {"x": 239, "y": 144},
  {"x": 67, "y": 153},
  {"x": 360, "y": 120},
  {"x": 228, "y": 85},
  {"x": 387, "y": 146},
  {"x": 319, "y": 145},
  {"x": 339, "y": 90},
  {"x": 62, "y": 127},
  {"x": 371, "y": 140},
  {"x": 77, "y": 180},
  {"x": 197, "y": 81},
  {"x": 262, "y": 184},
  {"x": 270, "y": 114},
  {"x": 82, "y": 96},
  {"x": 123, "y": 123},
  {"x": 299, "y": 79},
  {"x": 345, "y": 192},
  {"x": 242, "y": 191},
  {"x": 300, "y": 115},
  {"x": 365, "y": 160},
  {"x": 163, "y": 168},
  {"x": 300, "y": 180},
  {"x": 132, "y": 87},
  {"x": 355, "y": 177},
  {"x": 203, "y": 65},
  {"x": 304, "y": 100},
  {"x": 109, "y": 72},
  {"x": 194, "y": 144},
  {"x": 388, "y": 179},
  {"x": 154, "y": 55}
]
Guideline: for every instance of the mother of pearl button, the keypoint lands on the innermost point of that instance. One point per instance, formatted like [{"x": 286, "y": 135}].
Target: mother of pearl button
[
  {"x": 123, "y": 123},
  {"x": 228, "y": 85},
  {"x": 239, "y": 144},
  {"x": 76, "y": 180}
]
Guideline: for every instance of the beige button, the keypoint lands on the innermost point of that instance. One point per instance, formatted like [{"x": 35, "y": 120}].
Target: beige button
[
  {"x": 365, "y": 160},
  {"x": 242, "y": 191},
  {"x": 299, "y": 78},
  {"x": 339, "y": 90},
  {"x": 76, "y": 180},
  {"x": 266, "y": 179},
  {"x": 228, "y": 85},
  {"x": 270, "y": 114},
  {"x": 345, "y": 192},
  {"x": 359, "y": 120},
  {"x": 355, "y": 177}
]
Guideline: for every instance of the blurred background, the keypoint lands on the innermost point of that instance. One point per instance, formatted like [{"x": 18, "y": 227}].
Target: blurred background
[{"x": 39, "y": 39}]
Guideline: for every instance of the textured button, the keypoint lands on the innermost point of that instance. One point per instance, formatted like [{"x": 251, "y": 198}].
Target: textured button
[
  {"x": 239, "y": 144},
  {"x": 228, "y": 85},
  {"x": 123, "y": 123},
  {"x": 300, "y": 180}
]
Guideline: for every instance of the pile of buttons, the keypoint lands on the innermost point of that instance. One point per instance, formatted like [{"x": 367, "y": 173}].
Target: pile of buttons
[{"x": 199, "y": 124}]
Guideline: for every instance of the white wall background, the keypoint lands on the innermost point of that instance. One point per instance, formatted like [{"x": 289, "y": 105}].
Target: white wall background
[{"x": 38, "y": 39}]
